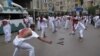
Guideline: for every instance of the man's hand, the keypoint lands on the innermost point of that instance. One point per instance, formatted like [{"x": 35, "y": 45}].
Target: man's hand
[
  {"x": 49, "y": 42},
  {"x": 46, "y": 40}
]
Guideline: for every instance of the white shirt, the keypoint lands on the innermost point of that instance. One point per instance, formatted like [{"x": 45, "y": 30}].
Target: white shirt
[
  {"x": 26, "y": 20},
  {"x": 43, "y": 23},
  {"x": 96, "y": 18},
  {"x": 51, "y": 19},
  {"x": 30, "y": 20}
]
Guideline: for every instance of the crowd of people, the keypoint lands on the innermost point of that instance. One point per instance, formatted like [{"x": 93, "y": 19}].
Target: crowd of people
[
  {"x": 73, "y": 21},
  {"x": 78, "y": 23},
  {"x": 24, "y": 34}
]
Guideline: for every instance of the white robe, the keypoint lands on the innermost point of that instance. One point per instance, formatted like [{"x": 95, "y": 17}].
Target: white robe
[{"x": 7, "y": 32}]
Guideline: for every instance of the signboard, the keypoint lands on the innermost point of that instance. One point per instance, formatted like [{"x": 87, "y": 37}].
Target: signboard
[{"x": 79, "y": 9}]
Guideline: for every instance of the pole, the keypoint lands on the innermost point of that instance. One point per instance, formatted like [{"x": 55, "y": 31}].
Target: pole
[
  {"x": 34, "y": 16},
  {"x": 33, "y": 11}
]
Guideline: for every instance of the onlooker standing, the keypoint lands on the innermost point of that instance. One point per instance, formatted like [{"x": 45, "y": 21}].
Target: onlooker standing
[
  {"x": 26, "y": 21},
  {"x": 6, "y": 29},
  {"x": 43, "y": 26},
  {"x": 30, "y": 20},
  {"x": 38, "y": 23}
]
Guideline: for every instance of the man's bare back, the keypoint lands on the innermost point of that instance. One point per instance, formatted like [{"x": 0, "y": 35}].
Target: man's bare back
[{"x": 24, "y": 33}]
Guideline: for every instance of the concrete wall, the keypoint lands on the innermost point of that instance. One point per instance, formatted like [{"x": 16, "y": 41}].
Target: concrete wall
[{"x": 1, "y": 1}]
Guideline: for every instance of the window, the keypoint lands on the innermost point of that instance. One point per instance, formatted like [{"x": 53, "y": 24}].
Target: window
[
  {"x": 61, "y": 7},
  {"x": 61, "y": 2},
  {"x": 45, "y": 1},
  {"x": 45, "y": 4},
  {"x": 57, "y": 3},
  {"x": 49, "y": 0},
  {"x": 38, "y": 3}
]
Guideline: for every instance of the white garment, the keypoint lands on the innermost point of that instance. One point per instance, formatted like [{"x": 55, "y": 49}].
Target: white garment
[
  {"x": 25, "y": 46},
  {"x": 80, "y": 28},
  {"x": 97, "y": 23},
  {"x": 43, "y": 26},
  {"x": 38, "y": 23},
  {"x": 58, "y": 21},
  {"x": 30, "y": 20},
  {"x": 20, "y": 43},
  {"x": 62, "y": 21},
  {"x": 52, "y": 23},
  {"x": 7, "y": 32},
  {"x": 87, "y": 21},
  {"x": 66, "y": 26},
  {"x": 51, "y": 19},
  {"x": 95, "y": 19},
  {"x": 26, "y": 22},
  {"x": 89, "y": 17}
]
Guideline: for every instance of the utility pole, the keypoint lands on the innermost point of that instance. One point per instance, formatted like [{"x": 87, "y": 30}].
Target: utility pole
[{"x": 34, "y": 8}]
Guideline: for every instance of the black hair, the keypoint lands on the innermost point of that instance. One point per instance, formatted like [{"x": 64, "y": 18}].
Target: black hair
[
  {"x": 24, "y": 16},
  {"x": 41, "y": 19},
  {"x": 32, "y": 26}
]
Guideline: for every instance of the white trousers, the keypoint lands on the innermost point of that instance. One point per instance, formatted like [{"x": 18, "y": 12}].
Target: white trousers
[
  {"x": 53, "y": 26},
  {"x": 63, "y": 22},
  {"x": 86, "y": 22},
  {"x": 43, "y": 31},
  {"x": 38, "y": 25},
  {"x": 81, "y": 33},
  {"x": 97, "y": 23},
  {"x": 7, "y": 32},
  {"x": 7, "y": 37},
  {"x": 80, "y": 28},
  {"x": 66, "y": 24},
  {"x": 25, "y": 46},
  {"x": 58, "y": 23}
]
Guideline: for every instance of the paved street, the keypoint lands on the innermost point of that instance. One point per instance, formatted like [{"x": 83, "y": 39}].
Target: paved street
[{"x": 89, "y": 46}]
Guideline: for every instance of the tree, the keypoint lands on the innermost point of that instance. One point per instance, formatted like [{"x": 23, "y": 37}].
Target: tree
[
  {"x": 91, "y": 10},
  {"x": 81, "y": 2}
]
